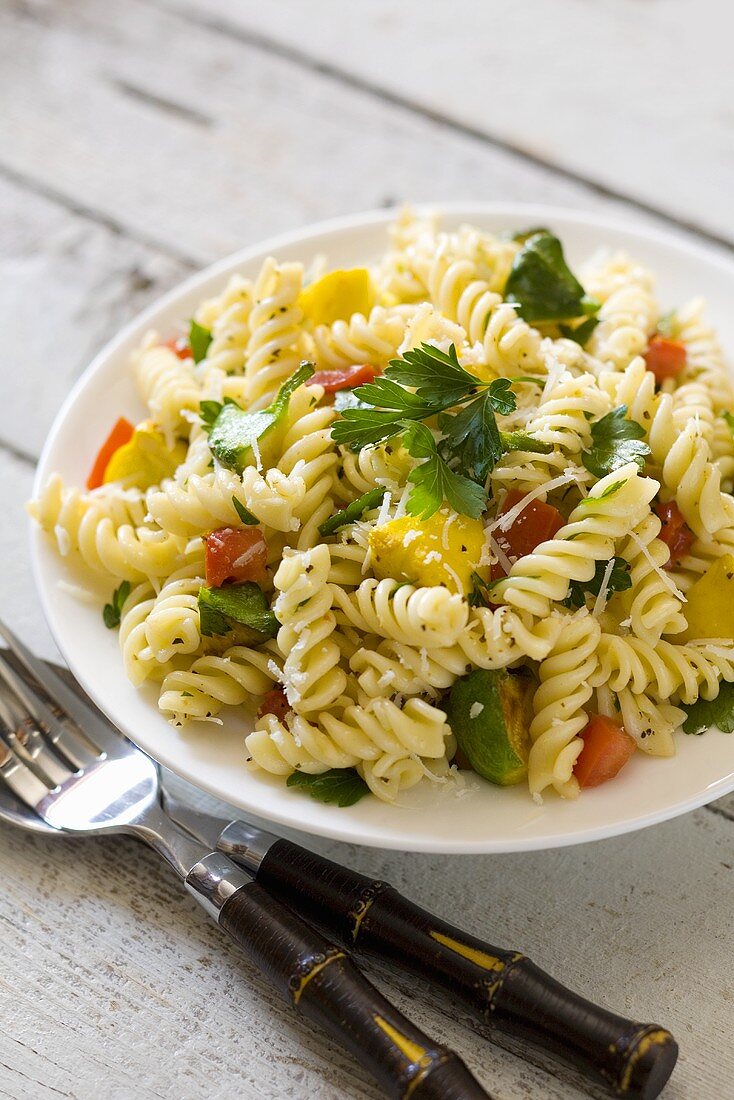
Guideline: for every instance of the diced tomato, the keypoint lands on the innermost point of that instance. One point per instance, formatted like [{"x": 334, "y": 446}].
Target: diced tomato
[
  {"x": 346, "y": 379},
  {"x": 235, "y": 554},
  {"x": 275, "y": 703},
  {"x": 607, "y": 748},
  {"x": 675, "y": 532},
  {"x": 537, "y": 523},
  {"x": 666, "y": 358},
  {"x": 180, "y": 346},
  {"x": 121, "y": 434}
]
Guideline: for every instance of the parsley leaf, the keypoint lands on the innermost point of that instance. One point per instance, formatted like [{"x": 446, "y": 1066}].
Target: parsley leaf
[
  {"x": 352, "y": 511},
  {"x": 729, "y": 418},
  {"x": 581, "y": 333},
  {"x": 199, "y": 340},
  {"x": 479, "y": 595},
  {"x": 616, "y": 441},
  {"x": 365, "y": 427},
  {"x": 246, "y": 516},
  {"x": 542, "y": 285},
  {"x": 438, "y": 376},
  {"x": 244, "y": 603},
  {"x": 234, "y": 430},
  {"x": 472, "y": 437},
  {"x": 208, "y": 413},
  {"x": 112, "y": 612},
  {"x": 385, "y": 393},
  {"x": 711, "y": 712},
  {"x": 435, "y": 482},
  {"x": 343, "y": 786},
  {"x": 619, "y": 581},
  {"x": 521, "y": 235}
]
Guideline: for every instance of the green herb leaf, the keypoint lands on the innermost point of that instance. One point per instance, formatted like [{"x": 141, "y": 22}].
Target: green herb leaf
[
  {"x": 619, "y": 581},
  {"x": 234, "y": 431},
  {"x": 352, "y": 511},
  {"x": 112, "y": 612},
  {"x": 717, "y": 712},
  {"x": 434, "y": 482},
  {"x": 542, "y": 285},
  {"x": 729, "y": 418},
  {"x": 247, "y": 517},
  {"x": 244, "y": 603},
  {"x": 580, "y": 333},
  {"x": 343, "y": 786},
  {"x": 471, "y": 439},
  {"x": 385, "y": 393},
  {"x": 479, "y": 595},
  {"x": 199, "y": 340},
  {"x": 438, "y": 376},
  {"x": 208, "y": 413},
  {"x": 360, "y": 428},
  {"x": 500, "y": 395},
  {"x": 616, "y": 441},
  {"x": 711, "y": 712}
]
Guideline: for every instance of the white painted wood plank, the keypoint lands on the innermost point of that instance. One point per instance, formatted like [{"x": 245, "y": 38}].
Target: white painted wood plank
[
  {"x": 636, "y": 97},
  {"x": 66, "y": 285},
  {"x": 282, "y": 145}
]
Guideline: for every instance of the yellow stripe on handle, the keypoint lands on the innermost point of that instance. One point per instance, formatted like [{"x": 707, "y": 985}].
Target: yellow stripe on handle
[
  {"x": 318, "y": 966},
  {"x": 416, "y": 1054},
  {"x": 473, "y": 954}
]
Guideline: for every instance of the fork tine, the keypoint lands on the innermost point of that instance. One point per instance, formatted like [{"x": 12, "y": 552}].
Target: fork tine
[
  {"x": 58, "y": 729},
  {"x": 97, "y": 733},
  {"x": 22, "y": 733},
  {"x": 23, "y": 783}
]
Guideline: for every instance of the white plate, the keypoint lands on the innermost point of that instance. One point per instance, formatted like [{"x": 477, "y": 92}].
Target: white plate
[{"x": 429, "y": 818}]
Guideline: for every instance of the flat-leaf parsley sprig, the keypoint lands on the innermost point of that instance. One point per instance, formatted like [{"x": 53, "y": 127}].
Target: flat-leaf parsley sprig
[{"x": 429, "y": 383}]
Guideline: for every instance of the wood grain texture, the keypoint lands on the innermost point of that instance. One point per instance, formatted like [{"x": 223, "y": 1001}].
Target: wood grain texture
[
  {"x": 137, "y": 142},
  {"x": 627, "y": 95}
]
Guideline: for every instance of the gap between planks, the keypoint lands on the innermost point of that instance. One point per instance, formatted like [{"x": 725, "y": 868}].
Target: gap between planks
[{"x": 300, "y": 58}]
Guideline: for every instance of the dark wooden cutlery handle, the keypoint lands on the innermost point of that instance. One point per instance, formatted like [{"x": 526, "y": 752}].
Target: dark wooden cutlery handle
[
  {"x": 505, "y": 988},
  {"x": 322, "y": 982}
]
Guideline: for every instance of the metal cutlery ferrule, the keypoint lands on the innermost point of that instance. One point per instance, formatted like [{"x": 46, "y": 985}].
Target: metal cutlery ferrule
[{"x": 213, "y": 880}]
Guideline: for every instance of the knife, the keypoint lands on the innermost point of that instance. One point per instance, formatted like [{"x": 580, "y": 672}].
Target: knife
[{"x": 504, "y": 988}]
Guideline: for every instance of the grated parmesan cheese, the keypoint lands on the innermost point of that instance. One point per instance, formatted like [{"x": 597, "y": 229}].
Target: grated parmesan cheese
[
  {"x": 445, "y": 532},
  {"x": 258, "y": 457},
  {"x": 601, "y": 600},
  {"x": 410, "y": 536},
  {"x": 475, "y": 710},
  {"x": 505, "y": 521},
  {"x": 664, "y": 577}
]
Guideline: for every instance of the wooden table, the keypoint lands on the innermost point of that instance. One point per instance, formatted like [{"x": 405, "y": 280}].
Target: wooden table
[{"x": 142, "y": 140}]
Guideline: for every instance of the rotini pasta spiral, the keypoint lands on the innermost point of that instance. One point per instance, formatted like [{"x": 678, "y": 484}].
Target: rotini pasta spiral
[
  {"x": 424, "y": 617},
  {"x": 276, "y": 344},
  {"x": 168, "y": 386}
]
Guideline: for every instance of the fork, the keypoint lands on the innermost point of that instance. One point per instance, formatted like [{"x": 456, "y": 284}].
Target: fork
[
  {"x": 94, "y": 781},
  {"x": 504, "y": 988}
]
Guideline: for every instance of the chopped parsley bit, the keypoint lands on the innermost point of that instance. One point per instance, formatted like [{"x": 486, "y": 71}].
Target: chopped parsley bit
[
  {"x": 542, "y": 286},
  {"x": 343, "y": 786},
  {"x": 619, "y": 581},
  {"x": 247, "y": 517},
  {"x": 615, "y": 442},
  {"x": 112, "y": 612}
]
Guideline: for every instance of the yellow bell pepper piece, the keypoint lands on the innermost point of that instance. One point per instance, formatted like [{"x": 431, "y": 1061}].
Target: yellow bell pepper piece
[
  {"x": 337, "y": 295},
  {"x": 444, "y": 549},
  {"x": 146, "y": 459},
  {"x": 710, "y": 608}
]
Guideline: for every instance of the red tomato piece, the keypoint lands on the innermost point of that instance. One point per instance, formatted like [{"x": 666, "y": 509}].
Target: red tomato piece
[
  {"x": 666, "y": 358},
  {"x": 675, "y": 532},
  {"x": 607, "y": 748},
  {"x": 345, "y": 379},
  {"x": 235, "y": 554},
  {"x": 180, "y": 346},
  {"x": 121, "y": 434},
  {"x": 275, "y": 703},
  {"x": 537, "y": 523}
]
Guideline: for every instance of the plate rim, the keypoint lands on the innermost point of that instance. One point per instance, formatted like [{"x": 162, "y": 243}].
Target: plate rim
[{"x": 466, "y": 210}]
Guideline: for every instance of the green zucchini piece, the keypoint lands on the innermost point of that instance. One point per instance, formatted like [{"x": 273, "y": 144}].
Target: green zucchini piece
[{"x": 490, "y": 712}]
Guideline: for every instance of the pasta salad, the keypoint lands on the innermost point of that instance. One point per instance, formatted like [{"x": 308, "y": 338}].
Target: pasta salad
[{"x": 463, "y": 508}]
